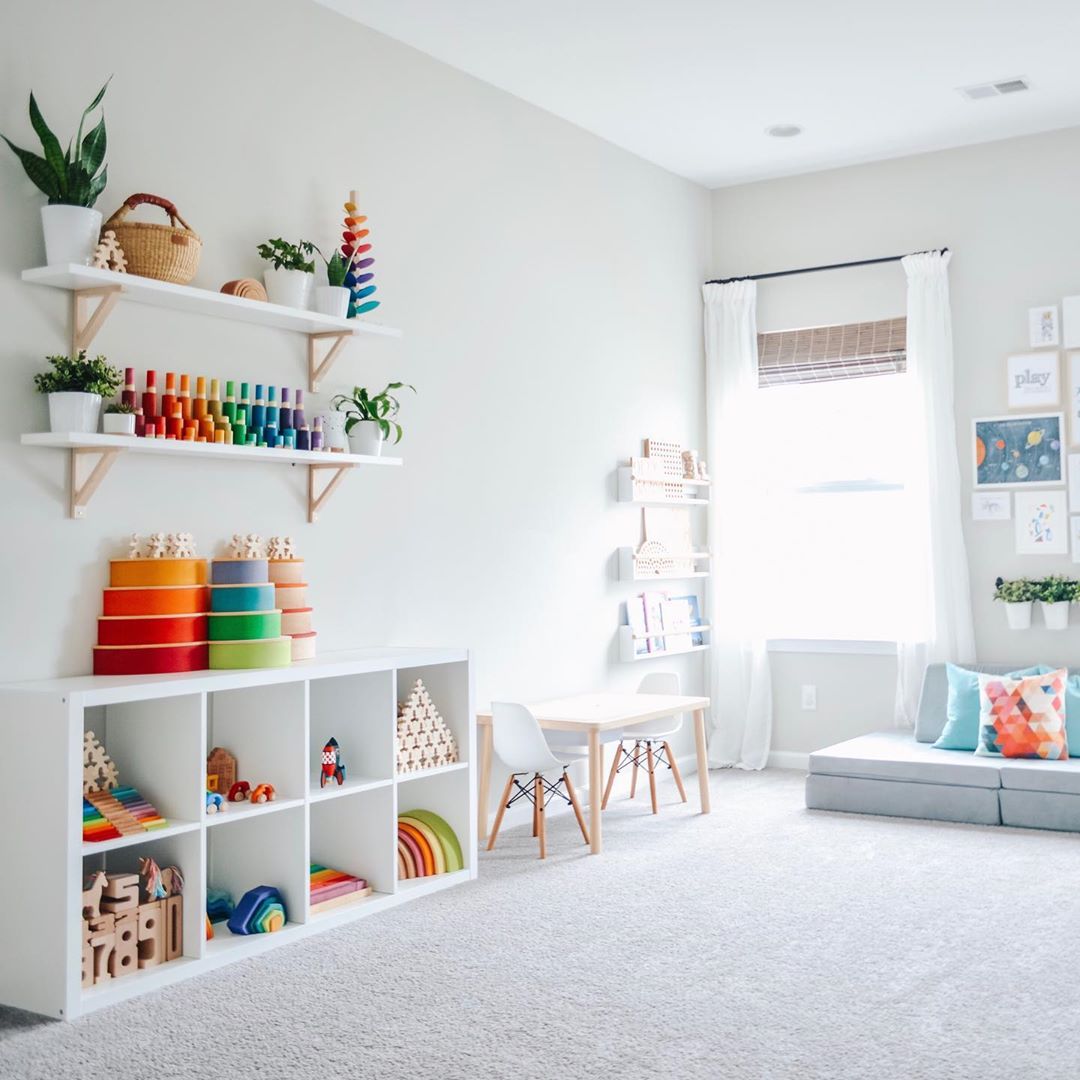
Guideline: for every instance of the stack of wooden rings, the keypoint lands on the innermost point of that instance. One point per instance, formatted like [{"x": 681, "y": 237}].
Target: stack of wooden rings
[
  {"x": 248, "y": 288},
  {"x": 244, "y": 624}
]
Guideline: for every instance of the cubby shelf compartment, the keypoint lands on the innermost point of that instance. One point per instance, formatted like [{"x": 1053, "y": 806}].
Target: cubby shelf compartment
[
  {"x": 87, "y": 283},
  {"x": 158, "y": 728},
  {"x": 107, "y": 448},
  {"x": 438, "y": 770},
  {"x": 626, "y": 491},
  {"x": 627, "y": 571},
  {"x": 627, "y": 642},
  {"x": 353, "y": 785}
]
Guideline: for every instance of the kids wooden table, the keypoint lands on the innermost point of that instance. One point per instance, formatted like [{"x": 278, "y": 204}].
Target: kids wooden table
[{"x": 592, "y": 714}]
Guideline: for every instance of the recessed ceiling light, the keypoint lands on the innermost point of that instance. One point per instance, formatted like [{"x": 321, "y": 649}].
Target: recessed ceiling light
[{"x": 783, "y": 131}]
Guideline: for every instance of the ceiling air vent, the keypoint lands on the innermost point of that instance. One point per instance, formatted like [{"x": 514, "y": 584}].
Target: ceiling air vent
[{"x": 994, "y": 89}]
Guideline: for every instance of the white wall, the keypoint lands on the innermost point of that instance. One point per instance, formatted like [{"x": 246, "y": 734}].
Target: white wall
[
  {"x": 1008, "y": 211},
  {"x": 548, "y": 287}
]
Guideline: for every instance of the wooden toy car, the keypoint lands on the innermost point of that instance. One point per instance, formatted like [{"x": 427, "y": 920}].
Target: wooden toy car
[
  {"x": 263, "y": 793},
  {"x": 214, "y": 802},
  {"x": 239, "y": 791}
]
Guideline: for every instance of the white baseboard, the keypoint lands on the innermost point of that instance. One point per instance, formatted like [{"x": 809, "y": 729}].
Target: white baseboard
[{"x": 788, "y": 759}]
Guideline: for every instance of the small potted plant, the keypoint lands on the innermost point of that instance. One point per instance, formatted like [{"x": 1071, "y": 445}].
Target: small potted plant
[
  {"x": 72, "y": 180},
  {"x": 1055, "y": 594},
  {"x": 1017, "y": 596},
  {"x": 75, "y": 387},
  {"x": 333, "y": 298},
  {"x": 369, "y": 418},
  {"x": 291, "y": 273},
  {"x": 119, "y": 419}
]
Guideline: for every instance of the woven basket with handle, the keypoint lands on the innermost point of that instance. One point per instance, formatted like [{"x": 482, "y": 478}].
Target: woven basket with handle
[{"x": 166, "y": 252}]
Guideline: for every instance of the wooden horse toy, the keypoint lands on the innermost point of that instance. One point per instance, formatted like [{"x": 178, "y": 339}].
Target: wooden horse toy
[
  {"x": 333, "y": 768},
  {"x": 91, "y": 897}
]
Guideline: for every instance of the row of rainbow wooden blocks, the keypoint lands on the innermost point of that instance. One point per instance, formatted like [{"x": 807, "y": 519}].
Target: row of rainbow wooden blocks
[
  {"x": 174, "y": 611},
  {"x": 131, "y": 921},
  {"x": 212, "y": 418}
]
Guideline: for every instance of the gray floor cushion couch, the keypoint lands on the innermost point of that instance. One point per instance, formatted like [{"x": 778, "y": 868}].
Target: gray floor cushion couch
[{"x": 900, "y": 774}]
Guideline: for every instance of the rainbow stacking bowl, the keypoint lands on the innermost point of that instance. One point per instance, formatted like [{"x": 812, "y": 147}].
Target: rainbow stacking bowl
[
  {"x": 149, "y": 659},
  {"x": 157, "y": 600},
  {"x": 141, "y": 573},
  {"x": 244, "y": 625},
  {"x": 270, "y": 653},
  {"x": 151, "y": 629},
  {"x": 242, "y": 598},
  {"x": 239, "y": 571}
]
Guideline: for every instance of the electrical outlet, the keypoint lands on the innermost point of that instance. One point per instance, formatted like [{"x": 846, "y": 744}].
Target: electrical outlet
[{"x": 809, "y": 696}]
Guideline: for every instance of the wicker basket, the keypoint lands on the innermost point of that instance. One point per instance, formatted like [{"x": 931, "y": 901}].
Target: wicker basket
[{"x": 166, "y": 252}]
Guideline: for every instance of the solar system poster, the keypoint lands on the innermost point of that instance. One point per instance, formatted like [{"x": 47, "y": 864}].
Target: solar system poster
[{"x": 1011, "y": 451}]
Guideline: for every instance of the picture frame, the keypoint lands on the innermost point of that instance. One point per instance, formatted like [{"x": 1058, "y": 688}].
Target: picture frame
[
  {"x": 1018, "y": 451},
  {"x": 991, "y": 505},
  {"x": 1072, "y": 402},
  {"x": 1074, "y": 536},
  {"x": 1043, "y": 328},
  {"x": 1034, "y": 380},
  {"x": 1042, "y": 524}
]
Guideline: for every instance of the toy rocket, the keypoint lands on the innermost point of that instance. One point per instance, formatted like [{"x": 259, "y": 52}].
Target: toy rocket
[{"x": 333, "y": 768}]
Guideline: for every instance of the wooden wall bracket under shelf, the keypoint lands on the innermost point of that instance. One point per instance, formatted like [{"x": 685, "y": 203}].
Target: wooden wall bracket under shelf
[
  {"x": 84, "y": 325},
  {"x": 81, "y": 487},
  {"x": 315, "y": 502},
  {"x": 318, "y": 369}
]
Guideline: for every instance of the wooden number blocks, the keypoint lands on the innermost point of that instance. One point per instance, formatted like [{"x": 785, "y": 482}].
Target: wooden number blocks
[{"x": 423, "y": 739}]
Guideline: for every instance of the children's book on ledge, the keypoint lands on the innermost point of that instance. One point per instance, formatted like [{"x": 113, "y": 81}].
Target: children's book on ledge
[{"x": 662, "y": 623}]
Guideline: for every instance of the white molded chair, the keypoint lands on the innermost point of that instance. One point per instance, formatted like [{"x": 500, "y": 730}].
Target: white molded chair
[
  {"x": 519, "y": 742},
  {"x": 651, "y": 746}
]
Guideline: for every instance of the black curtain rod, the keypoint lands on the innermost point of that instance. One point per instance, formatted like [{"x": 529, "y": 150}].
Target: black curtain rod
[{"x": 815, "y": 269}]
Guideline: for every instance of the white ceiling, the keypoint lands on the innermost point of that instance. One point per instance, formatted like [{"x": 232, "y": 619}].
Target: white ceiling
[{"x": 692, "y": 84}]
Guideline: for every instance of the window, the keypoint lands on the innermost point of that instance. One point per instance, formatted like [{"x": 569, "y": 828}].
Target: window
[{"x": 835, "y": 424}]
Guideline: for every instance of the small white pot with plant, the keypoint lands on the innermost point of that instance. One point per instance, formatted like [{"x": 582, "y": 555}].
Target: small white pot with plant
[
  {"x": 369, "y": 419},
  {"x": 1017, "y": 596},
  {"x": 333, "y": 297},
  {"x": 75, "y": 387},
  {"x": 291, "y": 274},
  {"x": 119, "y": 419},
  {"x": 1055, "y": 595},
  {"x": 72, "y": 182}
]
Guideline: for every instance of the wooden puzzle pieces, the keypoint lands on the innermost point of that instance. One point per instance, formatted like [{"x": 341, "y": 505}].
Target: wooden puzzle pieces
[{"x": 423, "y": 739}]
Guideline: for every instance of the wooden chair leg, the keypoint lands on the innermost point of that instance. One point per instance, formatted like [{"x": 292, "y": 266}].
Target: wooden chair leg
[
  {"x": 652, "y": 775},
  {"x": 575, "y": 804},
  {"x": 536, "y": 814},
  {"x": 540, "y": 830},
  {"x": 633, "y": 771},
  {"x": 502, "y": 810},
  {"x": 675, "y": 770},
  {"x": 611, "y": 775}
]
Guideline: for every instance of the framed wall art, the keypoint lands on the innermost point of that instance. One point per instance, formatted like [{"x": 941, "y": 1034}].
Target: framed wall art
[
  {"x": 991, "y": 506},
  {"x": 1034, "y": 381},
  {"x": 1042, "y": 523},
  {"x": 1014, "y": 451},
  {"x": 1043, "y": 326}
]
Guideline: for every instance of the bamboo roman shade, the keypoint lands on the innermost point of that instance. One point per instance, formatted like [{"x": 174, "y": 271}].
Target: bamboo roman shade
[{"x": 828, "y": 353}]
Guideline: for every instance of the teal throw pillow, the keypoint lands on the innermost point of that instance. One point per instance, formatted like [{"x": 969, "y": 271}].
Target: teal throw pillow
[{"x": 961, "y": 730}]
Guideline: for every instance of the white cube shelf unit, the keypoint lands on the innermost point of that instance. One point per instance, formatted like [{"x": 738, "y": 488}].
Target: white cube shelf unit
[{"x": 158, "y": 730}]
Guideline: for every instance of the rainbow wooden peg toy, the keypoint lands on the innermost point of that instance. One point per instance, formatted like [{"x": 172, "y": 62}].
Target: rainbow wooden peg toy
[{"x": 355, "y": 249}]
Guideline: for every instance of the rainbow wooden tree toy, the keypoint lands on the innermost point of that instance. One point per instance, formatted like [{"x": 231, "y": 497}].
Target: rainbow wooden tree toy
[{"x": 355, "y": 250}]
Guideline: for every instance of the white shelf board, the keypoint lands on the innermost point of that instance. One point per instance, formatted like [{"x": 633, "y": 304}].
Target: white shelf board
[
  {"x": 345, "y": 913},
  {"x": 164, "y": 294},
  {"x": 431, "y": 883},
  {"x": 457, "y": 766},
  {"x": 74, "y": 440},
  {"x": 668, "y": 652},
  {"x": 353, "y": 786},
  {"x": 627, "y": 571},
  {"x": 240, "y": 811},
  {"x": 626, "y": 491},
  {"x": 113, "y": 991},
  {"x": 671, "y": 633},
  {"x": 628, "y": 642},
  {"x": 148, "y": 836}
]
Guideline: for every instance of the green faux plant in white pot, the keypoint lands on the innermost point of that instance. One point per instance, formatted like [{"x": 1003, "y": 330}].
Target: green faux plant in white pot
[
  {"x": 1018, "y": 597},
  {"x": 369, "y": 419},
  {"x": 291, "y": 275},
  {"x": 75, "y": 387},
  {"x": 1055, "y": 594},
  {"x": 119, "y": 419}
]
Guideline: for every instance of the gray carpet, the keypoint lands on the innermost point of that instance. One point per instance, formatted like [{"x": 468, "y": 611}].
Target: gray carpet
[{"x": 764, "y": 941}]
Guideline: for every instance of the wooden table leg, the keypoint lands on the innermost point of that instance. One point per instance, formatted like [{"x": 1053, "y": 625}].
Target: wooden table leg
[
  {"x": 596, "y": 793},
  {"x": 702, "y": 760},
  {"x": 485, "y": 780}
]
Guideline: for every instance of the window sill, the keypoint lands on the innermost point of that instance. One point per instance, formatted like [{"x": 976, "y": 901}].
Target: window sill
[{"x": 831, "y": 645}]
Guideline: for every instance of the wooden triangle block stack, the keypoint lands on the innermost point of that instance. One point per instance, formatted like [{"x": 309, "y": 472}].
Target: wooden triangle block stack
[{"x": 423, "y": 739}]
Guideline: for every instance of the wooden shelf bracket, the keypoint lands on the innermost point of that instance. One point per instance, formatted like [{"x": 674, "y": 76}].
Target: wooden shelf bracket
[
  {"x": 81, "y": 485},
  {"x": 318, "y": 369},
  {"x": 84, "y": 323},
  {"x": 318, "y": 499}
]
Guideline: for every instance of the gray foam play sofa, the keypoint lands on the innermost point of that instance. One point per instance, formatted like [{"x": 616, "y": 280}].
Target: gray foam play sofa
[{"x": 900, "y": 774}]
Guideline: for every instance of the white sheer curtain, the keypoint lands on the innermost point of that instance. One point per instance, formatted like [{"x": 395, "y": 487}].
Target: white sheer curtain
[
  {"x": 938, "y": 553},
  {"x": 739, "y": 681}
]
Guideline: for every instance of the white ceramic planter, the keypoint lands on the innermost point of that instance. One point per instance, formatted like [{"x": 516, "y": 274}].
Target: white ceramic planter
[
  {"x": 71, "y": 411},
  {"x": 1056, "y": 615},
  {"x": 366, "y": 438},
  {"x": 332, "y": 300},
  {"x": 1019, "y": 615},
  {"x": 118, "y": 423},
  {"x": 71, "y": 234},
  {"x": 290, "y": 288}
]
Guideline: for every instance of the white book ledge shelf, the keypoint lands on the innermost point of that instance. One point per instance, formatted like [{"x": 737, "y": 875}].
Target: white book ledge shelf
[
  {"x": 92, "y": 456},
  {"x": 629, "y": 570},
  {"x": 158, "y": 731},
  {"x": 325, "y": 333},
  {"x": 628, "y": 494},
  {"x": 628, "y": 642}
]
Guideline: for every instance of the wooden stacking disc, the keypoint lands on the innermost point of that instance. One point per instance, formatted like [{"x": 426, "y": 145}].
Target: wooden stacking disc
[
  {"x": 287, "y": 571},
  {"x": 296, "y": 622},
  {"x": 238, "y": 571},
  {"x": 248, "y": 288},
  {"x": 289, "y": 597},
  {"x": 151, "y": 629},
  {"x": 150, "y": 659},
  {"x": 162, "y": 600},
  {"x": 243, "y": 597},
  {"x": 139, "y": 573},
  {"x": 244, "y": 625},
  {"x": 272, "y": 652},
  {"x": 303, "y": 646}
]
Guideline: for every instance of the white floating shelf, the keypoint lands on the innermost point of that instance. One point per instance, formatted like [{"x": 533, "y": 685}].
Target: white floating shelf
[
  {"x": 626, "y": 491},
  {"x": 439, "y": 770},
  {"x": 107, "y": 448},
  {"x": 628, "y": 643},
  {"x": 628, "y": 572},
  {"x": 174, "y": 828},
  {"x": 353, "y": 786},
  {"x": 240, "y": 811}
]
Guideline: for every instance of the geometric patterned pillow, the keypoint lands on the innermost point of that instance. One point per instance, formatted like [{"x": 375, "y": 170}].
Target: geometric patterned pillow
[{"x": 1024, "y": 717}]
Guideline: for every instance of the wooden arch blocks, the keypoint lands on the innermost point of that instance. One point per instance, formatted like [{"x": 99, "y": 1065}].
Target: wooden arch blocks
[{"x": 423, "y": 739}]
